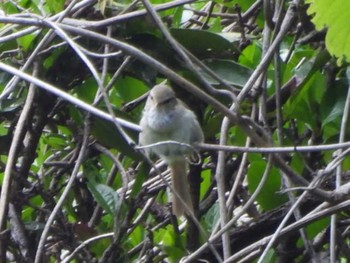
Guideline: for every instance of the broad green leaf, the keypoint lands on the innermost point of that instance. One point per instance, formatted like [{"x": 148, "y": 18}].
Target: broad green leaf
[
  {"x": 3, "y": 130},
  {"x": 156, "y": 47},
  {"x": 106, "y": 162},
  {"x": 211, "y": 123},
  {"x": 55, "y": 140},
  {"x": 127, "y": 89},
  {"x": 99, "y": 246},
  {"x": 105, "y": 196},
  {"x": 332, "y": 109},
  {"x": 312, "y": 66},
  {"x": 50, "y": 60},
  {"x": 141, "y": 176},
  {"x": 215, "y": 25},
  {"x": 251, "y": 55},
  {"x": 346, "y": 164},
  {"x": 314, "y": 228},
  {"x": 87, "y": 90},
  {"x": 335, "y": 113},
  {"x": 75, "y": 114},
  {"x": 306, "y": 102},
  {"x": 297, "y": 163},
  {"x": 26, "y": 41},
  {"x": 11, "y": 104},
  {"x": 212, "y": 216},
  {"x": 8, "y": 7},
  {"x": 333, "y": 15},
  {"x": 228, "y": 70},
  {"x": 108, "y": 135},
  {"x": 172, "y": 245},
  {"x": 269, "y": 197},
  {"x": 69, "y": 206},
  {"x": 136, "y": 236},
  {"x": 55, "y": 6},
  {"x": 205, "y": 184},
  {"x": 202, "y": 43},
  {"x": 238, "y": 137},
  {"x": 178, "y": 13}
]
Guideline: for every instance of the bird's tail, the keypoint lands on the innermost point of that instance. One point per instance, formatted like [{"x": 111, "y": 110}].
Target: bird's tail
[{"x": 181, "y": 186}]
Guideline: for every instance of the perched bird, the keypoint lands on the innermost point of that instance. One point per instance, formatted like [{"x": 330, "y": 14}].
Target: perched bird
[{"x": 166, "y": 118}]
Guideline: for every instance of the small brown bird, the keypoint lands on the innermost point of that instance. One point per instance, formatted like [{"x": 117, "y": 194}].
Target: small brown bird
[{"x": 167, "y": 118}]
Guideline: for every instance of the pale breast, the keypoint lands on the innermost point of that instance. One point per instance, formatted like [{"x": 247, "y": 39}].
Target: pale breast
[
  {"x": 177, "y": 125},
  {"x": 162, "y": 122}
]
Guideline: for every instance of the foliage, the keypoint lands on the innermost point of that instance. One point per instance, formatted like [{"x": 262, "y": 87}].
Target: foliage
[
  {"x": 73, "y": 81},
  {"x": 337, "y": 40}
]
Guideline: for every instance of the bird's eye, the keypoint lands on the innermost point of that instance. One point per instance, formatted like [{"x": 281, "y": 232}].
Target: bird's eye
[
  {"x": 151, "y": 97},
  {"x": 167, "y": 101}
]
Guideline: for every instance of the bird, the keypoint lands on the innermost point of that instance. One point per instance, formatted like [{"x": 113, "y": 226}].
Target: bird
[{"x": 167, "y": 118}]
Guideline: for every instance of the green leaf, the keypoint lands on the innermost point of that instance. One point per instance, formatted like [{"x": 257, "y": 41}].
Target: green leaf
[
  {"x": 268, "y": 197},
  {"x": 205, "y": 184},
  {"x": 333, "y": 15},
  {"x": 55, "y": 6},
  {"x": 108, "y": 135},
  {"x": 105, "y": 196},
  {"x": 211, "y": 123},
  {"x": 154, "y": 46},
  {"x": 137, "y": 235},
  {"x": 251, "y": 55},
  {"x": 11, "y": 104},
  {"x": 52, "y": 58},
  {"x": 87, "y": 90},
  {"x": 75, "y": 114},
  {"x": 215, "y": 25},
  {"x": 316, "y": 227},
  {"x": 177, "y": 16},
  {"x": 312, "y": 66},
  {"x": 141, "y": 176},
  {"x": 8, "y": 7},
  {"x": 3, "y": 130},
  {"x": 127, "y": 89},
  {"x": 202, "y": 43},
  {"x": 212, "y": 216},
  {"x": 26, "y": 41},
  {"x": 297, "y": 163},
  {"x": 106, "y": 162},
  {"x": 228, "y": 70},
  {"x": 172, "y": 244},
  {"x": 306, "y": 102},
  {"x": 55, "y": 140}
]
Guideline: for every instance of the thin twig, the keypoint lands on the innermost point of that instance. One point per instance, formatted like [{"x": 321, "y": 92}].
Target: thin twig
[
  {"x": 85, "y": 244},
  {"x": 234, "y": 219},
  {"x": 66, "y": 96},
  {"x": 221, "y": 185},
  {"x": 338, "y": 182},
  {"x": 287, "y": 149},
  {"x": 323, "y": 210},
  {"x": 287, "y": 22},
  {"x": 14, "y": 148},
  {"x": 62, "y": 198},
  {"x": 41, "y": 45},
  {"x": 123, "y": 17}
]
